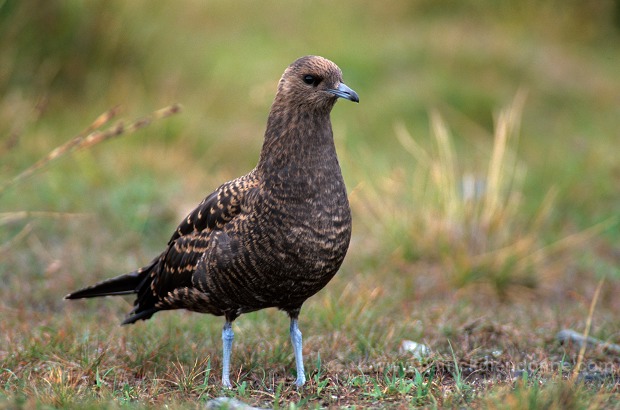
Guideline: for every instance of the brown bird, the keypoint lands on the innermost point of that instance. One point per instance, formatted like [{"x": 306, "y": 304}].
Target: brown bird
[{"x": 271, "y": 238}]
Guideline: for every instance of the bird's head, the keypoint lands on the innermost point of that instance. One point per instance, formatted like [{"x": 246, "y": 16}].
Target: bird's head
[{"x": 315, "y": 83}]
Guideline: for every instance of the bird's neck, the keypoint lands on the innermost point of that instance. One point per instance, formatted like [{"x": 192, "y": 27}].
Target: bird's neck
[{"x": 297, "y": 140}]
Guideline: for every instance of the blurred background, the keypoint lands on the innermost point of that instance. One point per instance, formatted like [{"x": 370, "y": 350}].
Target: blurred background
[{"x": 433, "y": 78}]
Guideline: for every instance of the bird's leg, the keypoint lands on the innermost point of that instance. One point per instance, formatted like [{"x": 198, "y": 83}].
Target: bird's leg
[
  {"x": 227, "y": 339},
  {"x": 299, "y": 357}
]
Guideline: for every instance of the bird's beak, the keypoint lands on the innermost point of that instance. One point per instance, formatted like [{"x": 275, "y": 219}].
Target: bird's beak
[{"x": 345, "y": 92}]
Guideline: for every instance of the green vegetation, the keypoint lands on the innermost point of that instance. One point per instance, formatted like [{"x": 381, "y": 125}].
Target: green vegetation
[{"x": 483, "y": 171}]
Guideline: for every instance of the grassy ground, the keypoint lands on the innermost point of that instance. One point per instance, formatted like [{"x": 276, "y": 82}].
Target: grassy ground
[{"x": 483, "y": 175}]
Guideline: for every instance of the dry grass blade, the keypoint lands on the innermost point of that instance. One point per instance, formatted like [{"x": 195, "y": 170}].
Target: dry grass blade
[
  {"x": 586, "y": 332},
  {"x": 192, "y": 378},
  {"x": 572, "y": 241},
  {"x": 410, "y": 145},
  {"x": 10, "y": 217},
  {"x": 63, "y": 149},
  {"x": 502, "y": 169},
  {"x": 91, "y": 136},
  {"x": 119, "y": 129},
  {"x": 6, "y": 247},
  {"x": 444, "y": 170}
]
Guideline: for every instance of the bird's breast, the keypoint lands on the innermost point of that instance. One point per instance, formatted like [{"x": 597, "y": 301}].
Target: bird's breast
[
  {"x": 291, "y": 241},
  {"x": 316, "y": 228}
]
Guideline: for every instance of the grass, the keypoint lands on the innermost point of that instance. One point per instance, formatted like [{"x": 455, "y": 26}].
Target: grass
[
  {"x": 468, "y": 219},
  {"x": 481, "y": 229}
]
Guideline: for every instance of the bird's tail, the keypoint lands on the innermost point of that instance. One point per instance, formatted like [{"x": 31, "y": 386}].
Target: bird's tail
[
  {"x": 120, "y": 285},
  {"x": 136, "y": 282}
]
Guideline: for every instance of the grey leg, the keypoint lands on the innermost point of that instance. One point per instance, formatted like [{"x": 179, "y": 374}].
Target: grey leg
[
  {"x": 299, "y": 358},
  {"x": 227, "y": 339}
]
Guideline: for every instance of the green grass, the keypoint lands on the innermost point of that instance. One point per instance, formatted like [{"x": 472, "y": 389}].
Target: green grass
[{"x": 521, "y": 99}]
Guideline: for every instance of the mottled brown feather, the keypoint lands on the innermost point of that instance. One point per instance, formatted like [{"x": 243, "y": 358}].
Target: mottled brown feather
[{"x": 271, "y": 238}]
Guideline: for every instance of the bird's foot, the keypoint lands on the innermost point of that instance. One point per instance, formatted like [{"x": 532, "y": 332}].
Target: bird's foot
[{"x": 301, "y": 380}]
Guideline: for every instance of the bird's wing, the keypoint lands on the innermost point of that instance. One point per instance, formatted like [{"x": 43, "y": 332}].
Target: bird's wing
[
  {"x": 187, "y": 265},
  {"x": 178, "y": 263},
  {"x": 217, "y": 209},
  {"x": 170, "y": 284}
]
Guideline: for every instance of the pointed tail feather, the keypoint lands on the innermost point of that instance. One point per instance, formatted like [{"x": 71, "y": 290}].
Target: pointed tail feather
[
  {"x": 137, "y": 282},
  {"x": 120, "y": 285}
]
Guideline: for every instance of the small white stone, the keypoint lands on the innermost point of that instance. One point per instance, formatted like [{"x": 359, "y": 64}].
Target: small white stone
[{"x": 417, "y": 350}]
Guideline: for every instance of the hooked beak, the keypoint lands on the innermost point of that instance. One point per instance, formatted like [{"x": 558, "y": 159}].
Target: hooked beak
[{"x": 345, "y": 92}]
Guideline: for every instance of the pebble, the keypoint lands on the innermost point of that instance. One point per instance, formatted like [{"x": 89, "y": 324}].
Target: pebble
[{"x": 417, "y": 350}]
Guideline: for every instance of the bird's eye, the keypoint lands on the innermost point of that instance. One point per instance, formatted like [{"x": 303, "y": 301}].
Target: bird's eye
[{"x": 311, "y": 80}]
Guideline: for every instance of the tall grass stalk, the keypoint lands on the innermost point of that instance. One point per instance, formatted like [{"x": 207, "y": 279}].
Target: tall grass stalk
[
  {"x": 586, "y": 332},
  {"x": 471, "y": 222},
  {"x": 91, "y": 136}
]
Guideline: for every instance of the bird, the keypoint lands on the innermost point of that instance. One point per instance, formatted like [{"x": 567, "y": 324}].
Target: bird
[{"x": 269, "y": 239}]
